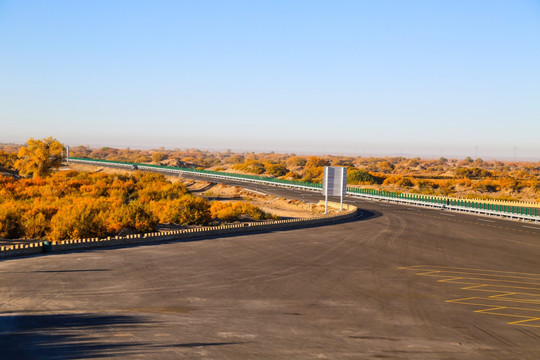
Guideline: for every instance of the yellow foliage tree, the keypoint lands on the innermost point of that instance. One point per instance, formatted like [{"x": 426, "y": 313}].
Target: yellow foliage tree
[
  {"x": 10, "y": 221},
  {"x": 39, "y": 157},
  {"x": 188, "y": 210},
  {"x": 230, "y": 211},
  {"x": 85, "y": 218}
]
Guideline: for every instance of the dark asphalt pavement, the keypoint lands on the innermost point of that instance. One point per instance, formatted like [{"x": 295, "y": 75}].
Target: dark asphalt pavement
[{"x": 400, "y": 282}]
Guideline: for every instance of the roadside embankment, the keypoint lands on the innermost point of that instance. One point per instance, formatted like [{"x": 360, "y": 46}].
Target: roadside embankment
[{"x": 176, "y": 235}]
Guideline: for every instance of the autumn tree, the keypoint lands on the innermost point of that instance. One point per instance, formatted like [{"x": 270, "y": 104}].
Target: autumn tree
[
  {"x": 276, "y": 169},
  {"x": 188, "y": 210},
  {"x": 356, "y": 177},
  {"x": 135, "y": 216},
  {"x": 39, "y": 157},
  {"x": 230, "y": 211},
  {"x": 85, "y": 218},
  {"x": 158, "y": 157},
  {"x": 7, "y": 160},
  {"x": 313, "y": 170},
  {"x": 10, "y": 221}
]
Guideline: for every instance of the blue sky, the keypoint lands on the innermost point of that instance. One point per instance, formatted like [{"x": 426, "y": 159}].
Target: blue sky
[{"x": 426, "y": 78}]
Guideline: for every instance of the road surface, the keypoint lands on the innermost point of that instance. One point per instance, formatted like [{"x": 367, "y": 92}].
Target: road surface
[{"x": 400, "y": 282}]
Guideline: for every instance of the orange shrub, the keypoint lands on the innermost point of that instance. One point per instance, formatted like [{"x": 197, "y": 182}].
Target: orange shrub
[
  {"x": 230, "y": 211},
  {"x": 10, "y": 221},
  {"x": 134, "y": 216},
  {"x": 35, "y": 227},
  {"x": 187, "y": 210},
  {"x": 275, "y": 169},
  {"x": 83, "y": 219}
]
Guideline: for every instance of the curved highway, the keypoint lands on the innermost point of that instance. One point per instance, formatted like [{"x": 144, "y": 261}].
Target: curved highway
[{"x": 400, "y": 282}]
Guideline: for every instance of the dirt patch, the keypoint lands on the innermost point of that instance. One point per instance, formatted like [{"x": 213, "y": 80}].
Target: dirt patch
[{"x": 274, "y": 205}]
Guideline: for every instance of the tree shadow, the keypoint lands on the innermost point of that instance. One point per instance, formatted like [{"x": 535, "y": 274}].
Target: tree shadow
[
  {"x": 64, "y": 336},
  {"x": 205, "y": 188}
]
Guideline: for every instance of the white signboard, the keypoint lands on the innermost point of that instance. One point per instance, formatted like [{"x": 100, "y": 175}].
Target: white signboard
[
  {"x": 334, "y": 184},
  {"x": 334, "y": 181}
]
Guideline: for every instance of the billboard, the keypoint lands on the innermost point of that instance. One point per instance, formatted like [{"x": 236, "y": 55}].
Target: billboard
[{"x": 334, "y": 181}]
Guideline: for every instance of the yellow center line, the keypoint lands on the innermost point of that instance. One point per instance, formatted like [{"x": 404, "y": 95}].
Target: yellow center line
[
  {"x": 471, "y": 269},
  {"x": 522, "y": 322}
]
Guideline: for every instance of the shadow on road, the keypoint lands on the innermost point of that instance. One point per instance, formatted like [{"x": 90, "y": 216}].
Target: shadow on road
[
  {"x": 363, "y": 215},
  {"x": 367, "y": 214},
  {"x": 52, "y": 271},
  {"x": 58, "y": 336},
  {"x": 202, "y": 344}
]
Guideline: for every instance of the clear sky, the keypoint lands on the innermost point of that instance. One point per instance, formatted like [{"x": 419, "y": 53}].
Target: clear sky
[{"x": 452, "y": 78}]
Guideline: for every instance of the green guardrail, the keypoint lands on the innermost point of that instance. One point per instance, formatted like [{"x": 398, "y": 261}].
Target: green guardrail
[
  {"x": 516, "y": 210},
  {"x": 208, "y": 172}
]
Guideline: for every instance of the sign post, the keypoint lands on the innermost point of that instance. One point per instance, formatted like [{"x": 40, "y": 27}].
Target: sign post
[{"x": 334, "y": 184}]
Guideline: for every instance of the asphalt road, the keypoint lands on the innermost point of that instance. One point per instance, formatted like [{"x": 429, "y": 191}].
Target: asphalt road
[{"x": 400, "y": 282}]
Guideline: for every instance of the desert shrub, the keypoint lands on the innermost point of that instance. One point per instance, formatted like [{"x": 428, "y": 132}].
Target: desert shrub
[
  {"x": 398, "y": 181},
  {"x": 158, "y": 156},
  {"x": 7, "y": 160},
  {"x": 187, "y": 210},
  {"x": 223, "y": 211},
  {"x": 314, "y": 169},
  {"x": 446, "y": 188},
  {"x": 385, "y": 167},
  {"x": 464, "y": 182},
  {"x": 276, "y": 170},
  {"x": 357, "y": 177},
  {"x": 232, "y": 211},
  {"x": 312, "y": 174},
  {"x": 10, "y": 221},
  {"x": 486, "y": 186},
  {"x": 35, "y": 227},
  {"x": 473, "y": 173},
  {"x": 427, "y": 186},
  {"x": 135, "y": 216},
  {"x": 83, "y": 219},
  {"x": 297, "y": 161},
  {"x": 315, "y": 161},
  {"x": 251, "y": 166},
  {"x": 234, "y": 159},
  {"x": 405, "y": 182},
  {"x": 291, "y": 175},
  {"x": 155, "y": 187}
]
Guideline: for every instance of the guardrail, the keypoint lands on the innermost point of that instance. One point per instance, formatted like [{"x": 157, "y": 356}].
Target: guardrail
[{"x": 512, "y": 212}]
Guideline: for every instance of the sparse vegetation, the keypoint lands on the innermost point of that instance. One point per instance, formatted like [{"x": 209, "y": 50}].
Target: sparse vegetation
[{"x": 67, "y": 204}]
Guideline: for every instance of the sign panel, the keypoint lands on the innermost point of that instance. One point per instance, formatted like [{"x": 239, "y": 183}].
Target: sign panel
[{"x": 334, "y": 181}]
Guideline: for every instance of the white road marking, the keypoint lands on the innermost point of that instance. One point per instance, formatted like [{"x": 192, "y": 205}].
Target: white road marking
[
  {"x": 448, "y": 215},
  {"x": 531, "y": 227},
  {"x": 486, "y": 220}
]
